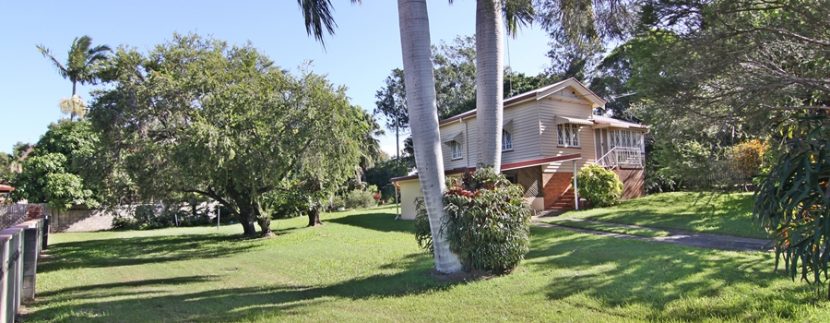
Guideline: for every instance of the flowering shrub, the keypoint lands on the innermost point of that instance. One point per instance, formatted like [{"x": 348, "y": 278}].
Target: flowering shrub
[{"x": 488, "y": 222}]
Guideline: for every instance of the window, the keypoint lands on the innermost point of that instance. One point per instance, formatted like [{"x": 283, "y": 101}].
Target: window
[
  {"x": 456, "y": 150},
  {"x": 568, "y": 134},
  {"x": 506, "y": 141},
  {"x": 626, "y": 138}
]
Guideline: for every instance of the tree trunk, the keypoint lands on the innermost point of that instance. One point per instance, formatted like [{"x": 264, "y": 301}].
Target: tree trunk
[
  {"x": 489, "y": 80},
  {"x": 420, "y": 89},
  {"x": 314, "y": 216},
  {"x": 264, "y": 221},
  {"x": 72, "y": 113},
  {"x": 246, "y": 219},
  {"x": 397, "y": 141},
  {"x": 247, "y": 226}
]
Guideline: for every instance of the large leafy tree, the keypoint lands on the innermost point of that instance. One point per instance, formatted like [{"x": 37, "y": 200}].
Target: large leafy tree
[
  {"x": 79, "y": 68},
  {"x": 53, "y": 171},
  {"x": 709, "y": 74},
  {"x": 198, "y": 116},
  {"x": 391, "y": 103}
]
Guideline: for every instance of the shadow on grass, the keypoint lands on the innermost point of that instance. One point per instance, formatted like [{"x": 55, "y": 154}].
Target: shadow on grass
[
  {"x": 706, "y": 283},
  {"x": 140, "y": 250},
  {"x": 703, "y": 212},
  {"x": 229, "y": 304},
  {"x": 379, "y": 221}
]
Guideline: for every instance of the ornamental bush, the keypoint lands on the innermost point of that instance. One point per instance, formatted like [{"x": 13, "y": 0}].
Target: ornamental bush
[
  {"x": 488, "y": 222},
  {"x": 360, "y": 199},
  {"x": 745, "y": 159},
  {"x": 599, "y": 185}
]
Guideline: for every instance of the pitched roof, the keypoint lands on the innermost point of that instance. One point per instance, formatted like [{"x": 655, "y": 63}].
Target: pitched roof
[
  {"x": 6, "y": 188},
  {"x": 539, "y": 94}
]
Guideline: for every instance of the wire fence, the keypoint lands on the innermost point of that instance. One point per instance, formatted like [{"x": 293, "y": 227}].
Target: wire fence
[{"x": 13, "y": 214}]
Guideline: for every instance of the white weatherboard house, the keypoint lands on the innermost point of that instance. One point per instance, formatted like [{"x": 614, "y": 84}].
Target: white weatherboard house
[{"x": 549, "y": 133}]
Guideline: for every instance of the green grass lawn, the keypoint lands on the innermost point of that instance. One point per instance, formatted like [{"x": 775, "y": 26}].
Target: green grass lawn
[
  {"x": 364, "y": 266},
  {"x": 613, "y": 228},
  {"x": 729, "y": 214}
]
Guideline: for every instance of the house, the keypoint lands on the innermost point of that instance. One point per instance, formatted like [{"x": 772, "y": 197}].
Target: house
[{"x": 549, "y": 133}]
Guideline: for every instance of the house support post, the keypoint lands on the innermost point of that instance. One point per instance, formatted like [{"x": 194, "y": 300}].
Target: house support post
[{"x": 576, "y": 188}]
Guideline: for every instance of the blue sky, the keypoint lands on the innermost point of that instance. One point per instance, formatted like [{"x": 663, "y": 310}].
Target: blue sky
[{"x": 360, "y": 55}]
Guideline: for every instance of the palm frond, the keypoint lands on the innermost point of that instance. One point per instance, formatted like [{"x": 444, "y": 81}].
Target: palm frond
[
  {"x": 100, "y": 49},
  {"x": 318, "y": 17},
  {"x": 48, "y": 54},
  {"x": 516, "y": 13}
]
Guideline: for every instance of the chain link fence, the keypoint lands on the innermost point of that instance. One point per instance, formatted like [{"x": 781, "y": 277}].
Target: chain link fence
[{"x": 13, "y": 214}]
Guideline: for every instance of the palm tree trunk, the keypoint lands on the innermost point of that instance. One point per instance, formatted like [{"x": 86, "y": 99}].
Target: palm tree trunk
[
  {"x": 489, "y": 80},
  {"x": 397, "y": 142},
  {"x": 420, "y": 87},
  {"x": 72, "y": 114}
]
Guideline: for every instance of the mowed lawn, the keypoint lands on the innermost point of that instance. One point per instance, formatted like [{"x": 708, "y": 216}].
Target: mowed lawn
[
  {"x": 720, "y": 213},
  {"x": 364, "y": 266}
]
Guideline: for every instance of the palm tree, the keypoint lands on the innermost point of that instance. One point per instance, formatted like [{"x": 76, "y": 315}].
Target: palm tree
[
  {"x": 423, "y": 115},
  {"x": 420, "y": 84},
  {"x": 79, "y": 68},
  {"x": 490, "y": 69}
]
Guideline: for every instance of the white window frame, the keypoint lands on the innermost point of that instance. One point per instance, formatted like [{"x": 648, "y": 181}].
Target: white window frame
[
  {"x": 506, "y": 140},
  {"x": 625, "y": 138},
  {"x": 567, "y": 134},
  {"x": 456, "y": 150}
]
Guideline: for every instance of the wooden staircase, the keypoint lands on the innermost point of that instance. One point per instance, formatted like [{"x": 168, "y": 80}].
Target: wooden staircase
[{"x": 564, "y": 203}]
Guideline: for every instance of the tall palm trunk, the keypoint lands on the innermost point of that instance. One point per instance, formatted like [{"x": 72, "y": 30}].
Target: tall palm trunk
[
  {"x": 74, "y": 85},
  {"x": 489, "y": 80},
  {"x": 420, "y": 87}
]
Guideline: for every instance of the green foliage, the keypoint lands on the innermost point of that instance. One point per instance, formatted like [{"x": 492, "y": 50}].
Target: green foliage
[
  {"x": 54, "y": 172},
  {"x": 422, "y": 229},
  {"x": 745, "y": 159},
  {"x": 286, "y": 202},
  {"x": 382, "y": 174},
  {"x": 146, "y": 217},
  {"x": 196, "y": 115},
  {"x": 75, "y": 140},
  {"x": 598, "y": 185},
  {"x": 359, "y": 199},
  {"x": 64, "y": 190},
  {"x": 338, "y": 203},
  {"x": 6, "y": 161},
  {"x": 793, "y": 201},
  {"x": 489, "y": 223}
]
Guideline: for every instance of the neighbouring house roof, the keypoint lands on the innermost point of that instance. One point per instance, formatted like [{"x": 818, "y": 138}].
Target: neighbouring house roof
[
  {"x": 616, "y": 123},
  {"x": 539, "y": 94},
  {"x": 6, "y": 188},
  {"x": 504, "y": 167}
]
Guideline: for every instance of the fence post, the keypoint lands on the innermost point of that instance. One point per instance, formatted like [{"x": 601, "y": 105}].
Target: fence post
[
  {"x": 13, "y": 271},
  {"x": 32, "y": 238},
  {"x": 5, "y": 283}
]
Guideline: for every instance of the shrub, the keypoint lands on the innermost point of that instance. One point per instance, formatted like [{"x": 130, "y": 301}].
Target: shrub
[
  {"x": 422, "y": 232},
  {"x": 598, "y": 185},
  {"x": 358, "y": 199},
  {"x": 488, "y": 222},
  {"x": 338, "y": 203},
  {"x": 745, "y": 158},
  {"x": 146, "y": 217}
]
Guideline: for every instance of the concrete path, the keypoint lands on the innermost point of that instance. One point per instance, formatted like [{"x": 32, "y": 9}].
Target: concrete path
[{"x": 681, "y": 237}]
